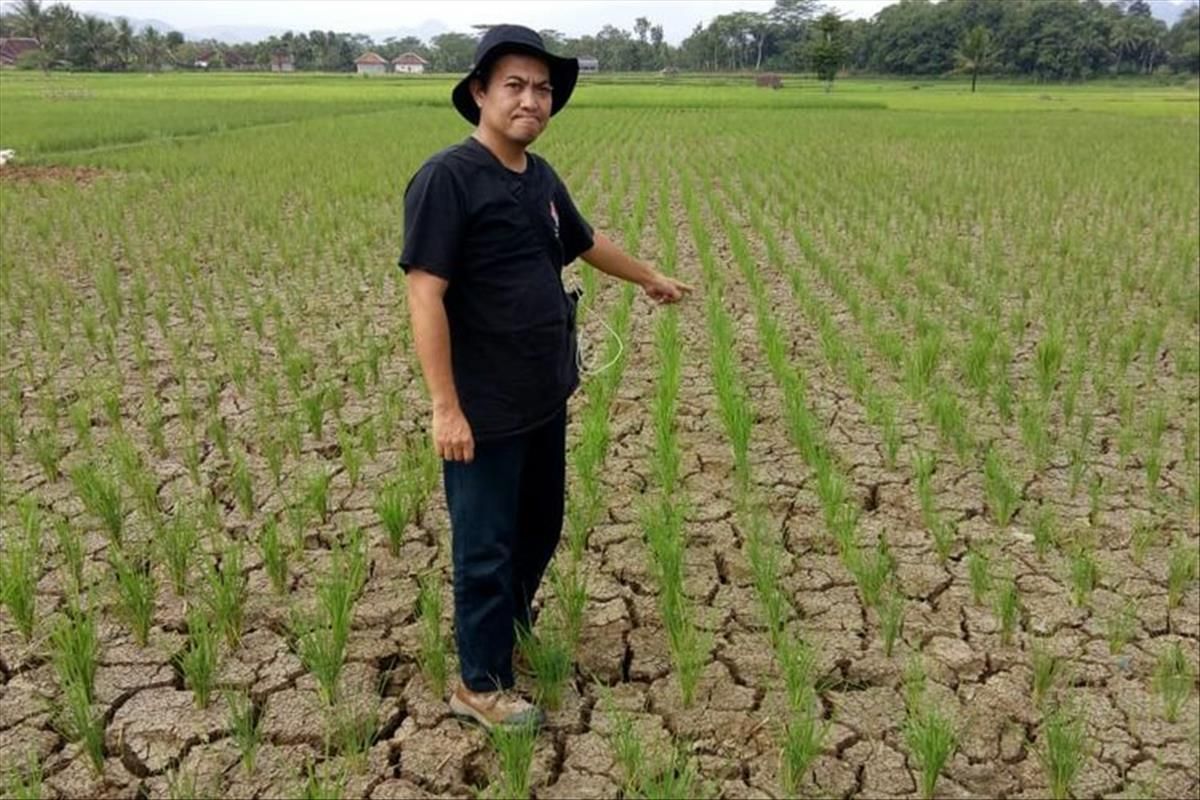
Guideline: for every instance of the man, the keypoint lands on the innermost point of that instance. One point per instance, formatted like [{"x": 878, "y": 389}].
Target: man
[{"x": 488, "y": 228}]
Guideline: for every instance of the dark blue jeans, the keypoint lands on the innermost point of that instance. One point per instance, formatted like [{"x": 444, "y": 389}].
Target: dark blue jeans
[{"x": 506, "y": 516}]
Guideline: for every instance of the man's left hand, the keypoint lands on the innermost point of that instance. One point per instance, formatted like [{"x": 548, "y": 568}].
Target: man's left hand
[{"x": 664, "y": 289}]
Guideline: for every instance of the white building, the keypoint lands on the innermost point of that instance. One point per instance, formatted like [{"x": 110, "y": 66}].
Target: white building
[
  {"x": 371, "y": 64},
  {"x": 410, "y": 63}
]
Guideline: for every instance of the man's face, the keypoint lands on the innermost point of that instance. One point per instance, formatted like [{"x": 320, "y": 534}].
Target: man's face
[{"x": 516, "y": 103}]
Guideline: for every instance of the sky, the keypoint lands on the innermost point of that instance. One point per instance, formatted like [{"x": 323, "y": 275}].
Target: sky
[{"x": 572, "y": 17}]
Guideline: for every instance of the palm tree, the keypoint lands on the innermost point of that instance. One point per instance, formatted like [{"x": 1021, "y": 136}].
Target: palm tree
[
  {"x": 974, "y": 54},
  {"x": 1124, "y": 40},
  {"x": 154, "y": 47},
  {"x": 98, "y": 42},
  {"x": 124, "y": 42},
  {"x": 28, "y": 19}
]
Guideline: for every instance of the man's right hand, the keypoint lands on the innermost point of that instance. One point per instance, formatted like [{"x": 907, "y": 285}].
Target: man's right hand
[{"x": 452, "y": 435}]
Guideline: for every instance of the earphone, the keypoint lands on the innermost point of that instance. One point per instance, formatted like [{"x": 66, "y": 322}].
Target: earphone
[{"x": 579, "y": 338}]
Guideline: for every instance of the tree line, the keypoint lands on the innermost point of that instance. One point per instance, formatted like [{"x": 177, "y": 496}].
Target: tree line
[{"x": 1039, "y": 39}]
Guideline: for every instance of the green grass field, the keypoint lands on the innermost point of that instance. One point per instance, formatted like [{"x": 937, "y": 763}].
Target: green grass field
[{"x": 904, "y": 499}]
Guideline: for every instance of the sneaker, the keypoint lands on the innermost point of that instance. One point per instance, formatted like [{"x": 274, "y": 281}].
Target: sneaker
[{"x": 490, "y": 709}]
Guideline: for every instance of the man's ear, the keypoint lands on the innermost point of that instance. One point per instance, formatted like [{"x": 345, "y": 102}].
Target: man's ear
[{"x": 477, "y": 90}]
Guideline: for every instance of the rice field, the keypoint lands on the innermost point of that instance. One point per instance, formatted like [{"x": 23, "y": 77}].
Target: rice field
[{"x": 903, "y": 500}]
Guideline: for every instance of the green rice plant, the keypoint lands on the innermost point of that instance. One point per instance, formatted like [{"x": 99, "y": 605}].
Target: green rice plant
[
  {"x": 1034, "y": 422},
  {"x": 176, "y": 544},
  {"x": 548, "y": 654},
  {"x": 931, "y": 741},
  {"x": 515, "y": 746},
  {"x": 272, "y": 450},
  {"x": 1085, "y": 574},
  {"x": 75, "y": 647},
  {"x": 1074, "y": 383},
  {"x": 676, "y": 777},
  {"x": 70, "y": 549},
  {"x": 921, "y": 363},
  {"x": 1145, "y": 534},
  {"x": 226, "y": 596},
  {"x": 352, "y": 457},
  {"x": 352, "y": 729},
  {"x": 314, "y": 404},
  {"x": 978, "y": 574},
  {"x": 101, "y": 497},
  {"x": 1182, "y": 571},
  {"x": 156, "y": 427},
  {"x": 316, "y": 493},
  {"x": 627, "y": 746},
  {"x": 1048, "y": 358},
  {"x": 245, "y": 726},
  {"x": 1062, "y": 750},
  {"x": 1121, "y": 626},
  {"x": 45, "y": 451},
  {"x": 23, "y": 782},
  {"x": 978, "y": 357},
  {"x": 79, "y": 720},
  {"x": 804, "y": 736},
  {"x": 1045, "y": 534},
  {"x": 798, "y": 663},
  {"x": 1173, "y": 681},
  {"x": 135, "y": 592},
  {"x": 891, "y": 620},
  {"x": 1003, "y": 497},
  {"x": 218, "y": 430},
  {"x": 1002, "y": 395},
  {"x": 9, "y": 428},
  {"x": 1006, "y": 604},
  {"x": 322, "y": 640},
  {"x": 1048, "y": 670},
  {"x": 322, "y": 784},
  {"x": 948, "y": 416},
  {"x": 21, "y": 567},
  {"x": 243, "y": 485},
  {"x": 393, "y": 505},
  {"x": 873, "y": 571},
  {"x": 191, "y": 460},
  {"x": 322, "y": 651},
  {"x": 432, "y": 654},
  {"x": 200, "y": 657},
  {"x": 274, "y": 555},
  {"x": 570, "y": 592}
]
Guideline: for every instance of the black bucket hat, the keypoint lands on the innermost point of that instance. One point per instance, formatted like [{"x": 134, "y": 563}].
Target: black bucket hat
[{"x": 501, "y": 40}]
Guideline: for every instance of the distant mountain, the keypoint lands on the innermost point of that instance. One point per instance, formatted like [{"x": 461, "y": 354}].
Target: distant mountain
[
  {"x": 234, "y": 34},
  {"x": 138, "y": 23}
]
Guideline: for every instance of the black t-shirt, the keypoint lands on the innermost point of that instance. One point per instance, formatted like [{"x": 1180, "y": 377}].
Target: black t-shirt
[{"x": 501, "y": 239}]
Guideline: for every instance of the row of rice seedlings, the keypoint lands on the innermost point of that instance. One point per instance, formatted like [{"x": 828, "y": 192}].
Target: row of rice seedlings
[
  {"x": 930, "y": 735},
  {"x": 663, "y": 519},
  {"x": 1062, "y": 749},
  {"x": 804, "y": 732},
  {"x": 402, "y": 499},
  {"x": 804, "y": 428},
  {"x": 74, "y": 652},
  {"x": 941, "y": 404},
  {"x": 649, "y": 774},
  {"x": 515, "y": 747},
  {"x": 21, "y": 567},
  {"x": 322, "y": 636},
  {"x": 432, "y": 654}
]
